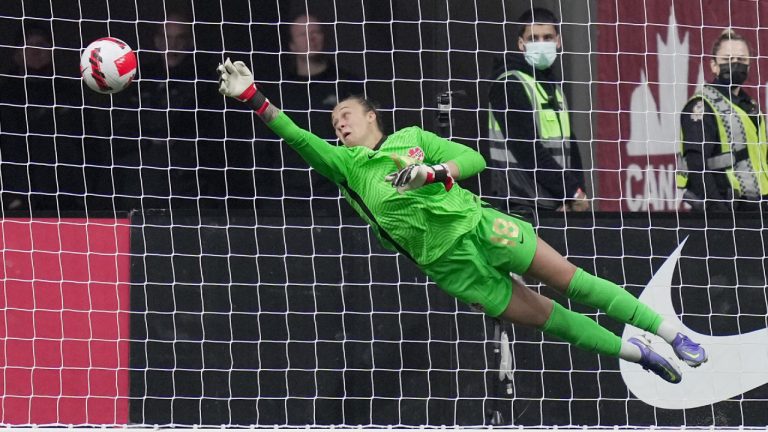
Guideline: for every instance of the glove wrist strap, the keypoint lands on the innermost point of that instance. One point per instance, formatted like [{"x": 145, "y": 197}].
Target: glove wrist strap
[
  {"x": 255, "y": 99},
  {"x": 248, "y": 93},
  {"x": 442, "y": 175}
]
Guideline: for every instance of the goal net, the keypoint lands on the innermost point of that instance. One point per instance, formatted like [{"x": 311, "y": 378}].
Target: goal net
[{"x": 167, "y": 261}]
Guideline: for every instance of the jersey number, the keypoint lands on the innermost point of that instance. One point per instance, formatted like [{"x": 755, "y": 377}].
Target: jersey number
[{"x": 507, "y": 232}]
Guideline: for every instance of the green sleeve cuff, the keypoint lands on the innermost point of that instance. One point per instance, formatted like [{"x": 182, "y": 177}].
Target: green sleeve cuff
[{"x": 469, "y": 163}]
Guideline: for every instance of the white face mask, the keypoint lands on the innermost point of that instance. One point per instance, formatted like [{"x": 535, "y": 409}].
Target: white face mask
[{"x": 540, "y": 55}]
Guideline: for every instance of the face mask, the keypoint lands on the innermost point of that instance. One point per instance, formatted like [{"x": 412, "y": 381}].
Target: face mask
[
  {"x": 734, "y": 73},
  {"x": 540, "y": 55}
]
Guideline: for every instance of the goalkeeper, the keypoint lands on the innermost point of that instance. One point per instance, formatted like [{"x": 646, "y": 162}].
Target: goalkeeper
[{"x": 403, "y": 186}]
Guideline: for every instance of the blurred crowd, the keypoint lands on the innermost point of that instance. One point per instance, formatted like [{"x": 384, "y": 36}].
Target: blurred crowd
[{"x": 166, "y": 141}]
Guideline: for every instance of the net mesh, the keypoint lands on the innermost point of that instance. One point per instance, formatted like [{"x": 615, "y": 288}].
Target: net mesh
[{"x": 166, "y": 260}]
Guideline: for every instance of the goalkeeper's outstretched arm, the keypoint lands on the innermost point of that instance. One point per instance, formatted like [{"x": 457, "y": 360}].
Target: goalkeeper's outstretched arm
[{"x": 236, "y": 81}]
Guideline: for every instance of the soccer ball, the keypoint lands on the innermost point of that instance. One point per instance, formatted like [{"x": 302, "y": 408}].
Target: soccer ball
[{"x": 108, "y": 65}]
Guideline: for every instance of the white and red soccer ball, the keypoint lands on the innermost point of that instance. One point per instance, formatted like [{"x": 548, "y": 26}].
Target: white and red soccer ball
[{"x": 108, "y": 65}]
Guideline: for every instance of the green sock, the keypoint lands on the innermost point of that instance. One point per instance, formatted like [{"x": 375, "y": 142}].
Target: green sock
[
  {"x": 581, "y": 331},
  {"x": 615, "y": 301}
]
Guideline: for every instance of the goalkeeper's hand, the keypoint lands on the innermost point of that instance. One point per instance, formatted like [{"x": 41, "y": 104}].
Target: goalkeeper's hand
[
  {"x": 415, "y": 176},
  {"x": 236, "y": 81}
]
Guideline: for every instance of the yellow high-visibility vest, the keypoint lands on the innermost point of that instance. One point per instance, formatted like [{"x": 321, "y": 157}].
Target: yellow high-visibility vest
[
  {"x": 743, "y": 147},
  {"x": 552, "y": 126}
]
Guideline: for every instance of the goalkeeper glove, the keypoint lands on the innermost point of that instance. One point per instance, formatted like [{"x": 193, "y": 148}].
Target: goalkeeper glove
[
  {"x": 417, "y": 175},
  {"x": 236, "y": 81}
]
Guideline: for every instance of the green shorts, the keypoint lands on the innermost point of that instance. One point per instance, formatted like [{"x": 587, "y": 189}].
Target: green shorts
[{"x": 476, "y": 268}]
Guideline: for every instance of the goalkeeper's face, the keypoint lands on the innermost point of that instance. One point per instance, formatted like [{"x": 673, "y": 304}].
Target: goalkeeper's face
[{"x": 354, "y": 125}]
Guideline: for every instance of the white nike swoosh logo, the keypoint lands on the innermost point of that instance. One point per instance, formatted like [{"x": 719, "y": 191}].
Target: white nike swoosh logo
[{"x": 736, "y": 363}]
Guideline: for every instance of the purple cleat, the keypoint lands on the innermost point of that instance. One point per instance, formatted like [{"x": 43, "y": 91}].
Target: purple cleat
[
  {"x": 689, "y": 351},
  {"x": 651, "y": 360}
]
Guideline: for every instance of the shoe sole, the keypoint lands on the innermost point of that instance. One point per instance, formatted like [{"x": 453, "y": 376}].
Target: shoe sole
[{"x": 694, "y": 363}]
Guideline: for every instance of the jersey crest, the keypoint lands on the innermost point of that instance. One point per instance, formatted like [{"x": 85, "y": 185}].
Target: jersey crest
[{"x": 416, "y": 153}]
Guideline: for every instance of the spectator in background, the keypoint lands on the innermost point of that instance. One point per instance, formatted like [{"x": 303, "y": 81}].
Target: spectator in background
[
  {"x": 533, "y": 154},
  {"x": 310, "y": 87},
  {"x": 41, "y": 143},
  {"x": 722, "y": 162},
  {"x": 175, "y": 42},
  {"x": 158, "y": 153},
  {"x": 168, "y": 74},
  {"x": 312, "y": 84},
  {"x": 34, "y": 58}
]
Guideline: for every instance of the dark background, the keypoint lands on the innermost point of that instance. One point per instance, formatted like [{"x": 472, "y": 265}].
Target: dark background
[{"x": 309, "y": 322}]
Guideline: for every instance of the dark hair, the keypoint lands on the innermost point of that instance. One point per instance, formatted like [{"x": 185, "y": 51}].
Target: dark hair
[
  {"x": 727, "y": 35},
  {"x": 369, "y": 106},
  {"x": 537, "y": 15}
]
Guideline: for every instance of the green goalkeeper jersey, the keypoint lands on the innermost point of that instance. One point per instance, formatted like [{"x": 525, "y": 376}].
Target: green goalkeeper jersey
[{"x": 421, "y": 223}]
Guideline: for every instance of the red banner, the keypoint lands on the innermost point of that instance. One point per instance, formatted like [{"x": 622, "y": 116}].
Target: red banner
[
  {"x": 652, "y": 55},
  {"x": 64, "y": 321}
]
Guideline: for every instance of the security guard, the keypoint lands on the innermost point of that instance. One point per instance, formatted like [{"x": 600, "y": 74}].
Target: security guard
[
  {"x": 532, "y": 153},
  {"x": 722, "y": 163}
]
